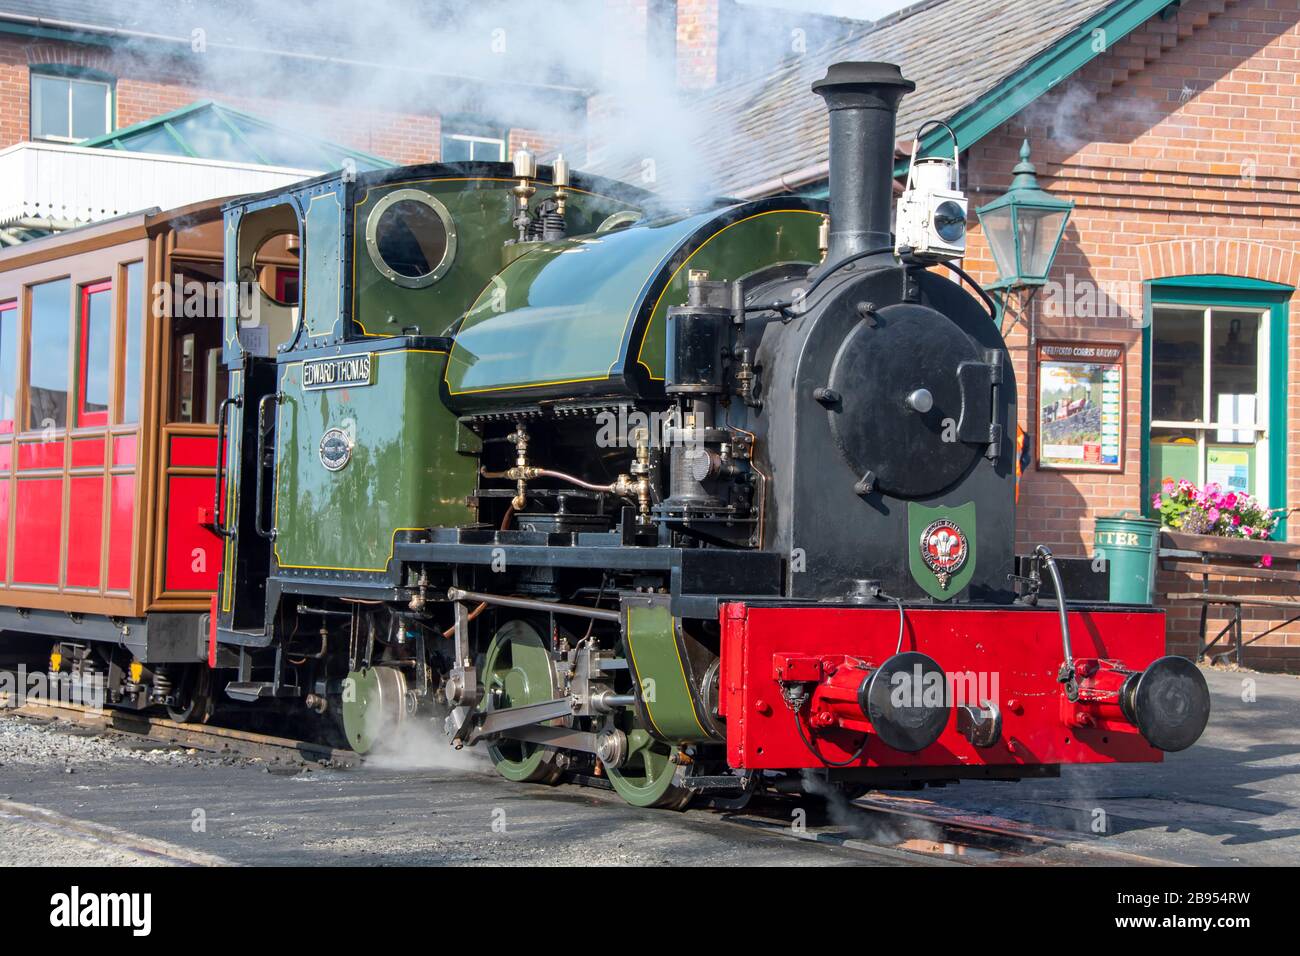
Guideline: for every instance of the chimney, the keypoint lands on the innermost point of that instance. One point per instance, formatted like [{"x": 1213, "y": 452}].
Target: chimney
[{"x": 862, "y": 99}]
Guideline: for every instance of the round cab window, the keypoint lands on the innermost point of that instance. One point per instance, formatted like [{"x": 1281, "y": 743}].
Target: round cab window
[{"x": 410, "y": 238}]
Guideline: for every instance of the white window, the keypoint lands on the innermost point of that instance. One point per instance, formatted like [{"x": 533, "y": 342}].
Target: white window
[
  {"x": 462, "y": 147},
  {"x": 1209, "y": 396},
  {"x": 68, "y": 110}
]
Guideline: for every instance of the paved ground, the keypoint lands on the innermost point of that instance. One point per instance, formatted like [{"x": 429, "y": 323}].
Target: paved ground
[{"x": 1234, "y": 798}]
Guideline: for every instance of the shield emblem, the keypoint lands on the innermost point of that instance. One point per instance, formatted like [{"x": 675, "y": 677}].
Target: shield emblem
[{"x": 941, "y": 548}]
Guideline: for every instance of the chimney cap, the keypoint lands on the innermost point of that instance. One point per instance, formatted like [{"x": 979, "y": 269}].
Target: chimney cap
[{"x": 863, "y": 73}]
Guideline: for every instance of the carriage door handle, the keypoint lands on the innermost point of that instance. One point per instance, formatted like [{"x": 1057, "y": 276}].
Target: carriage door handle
[
  {"x": 261, "y": 461},
  {"x": 218, "y": 525}
]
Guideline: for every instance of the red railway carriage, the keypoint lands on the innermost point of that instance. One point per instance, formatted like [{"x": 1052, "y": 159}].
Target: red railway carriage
[{"x": 110, "y": 378}]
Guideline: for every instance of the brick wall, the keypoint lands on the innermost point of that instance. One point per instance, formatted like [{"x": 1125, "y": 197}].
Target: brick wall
[
  {"x": 1179, "y": 147},
  {"x": 144, "y": 91},
  {"x": 697, "y": 43}
]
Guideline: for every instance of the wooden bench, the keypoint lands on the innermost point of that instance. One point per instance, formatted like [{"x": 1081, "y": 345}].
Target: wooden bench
[{"x": 1221, "y": 558}]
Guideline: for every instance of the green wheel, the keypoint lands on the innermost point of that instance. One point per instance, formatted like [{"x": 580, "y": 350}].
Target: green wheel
[
  {"x": 517, "y": 670},
  {"x": 648, "y": 777}
]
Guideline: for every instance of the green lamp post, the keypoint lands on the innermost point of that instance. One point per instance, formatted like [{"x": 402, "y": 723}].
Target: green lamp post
[{"x": 1024, "y": 227}]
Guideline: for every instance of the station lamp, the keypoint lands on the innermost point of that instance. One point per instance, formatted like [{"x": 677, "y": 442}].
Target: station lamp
[{"x": 1024, "y": 227}]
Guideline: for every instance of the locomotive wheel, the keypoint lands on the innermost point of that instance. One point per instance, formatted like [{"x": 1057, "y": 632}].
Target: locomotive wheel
[
  {"x": 518, "y": 670},
  {"x": 198, "y": 703},
  {"x": 648, "y": 776}
]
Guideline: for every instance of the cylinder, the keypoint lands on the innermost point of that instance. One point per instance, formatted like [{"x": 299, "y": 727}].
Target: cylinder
[{"x": 862, "y": 99}]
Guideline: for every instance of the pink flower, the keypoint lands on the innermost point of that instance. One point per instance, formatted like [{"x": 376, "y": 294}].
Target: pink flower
[
  {"x": 1168, "y": 486},
  {"x": 1155, "y": 500},
  {"x": 1213, "y": 515},
  {"x": 1266, "y": 561},
  {"x": 1230, "y": 499},
  {"x": 1236, "y": 520}
]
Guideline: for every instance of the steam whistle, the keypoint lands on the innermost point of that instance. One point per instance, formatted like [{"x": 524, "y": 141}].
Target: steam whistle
[
  {"x": 560, "y": 180},
  {"x": 525, "y": 171}
]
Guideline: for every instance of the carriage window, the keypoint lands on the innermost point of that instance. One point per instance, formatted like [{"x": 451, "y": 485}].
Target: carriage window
[
  {"x": 8, "y": 364},
  {"x": 198, "y": 379},
  {"x": 93, "y": 353},
  {"x": 47, "y": 356},
  {"x": 131, "y": 353}
]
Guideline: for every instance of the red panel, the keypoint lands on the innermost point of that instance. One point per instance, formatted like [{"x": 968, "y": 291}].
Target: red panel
[
  {"x": 1011, "y": 656},
  {"x": 193, "y": 551},
  {"x": 40, "y": 454},
  {"x": 86, "y": 524},
  {"x": 6, "y": 455},
  {"x": 5, "y": 485},
  {"x": 120, "y": 546},
  {"x": 123, "y": 450},
  {"x": 37, "y": 531},
  {"x": 88, "y": 452},
  {"x": 193, "y": 451}
]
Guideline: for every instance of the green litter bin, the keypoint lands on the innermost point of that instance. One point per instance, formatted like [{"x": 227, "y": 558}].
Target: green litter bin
[{"x": 1128, "y": 543}]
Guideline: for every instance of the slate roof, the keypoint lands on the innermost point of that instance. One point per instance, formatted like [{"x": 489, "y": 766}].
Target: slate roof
[{"x": 955, "y": 51}]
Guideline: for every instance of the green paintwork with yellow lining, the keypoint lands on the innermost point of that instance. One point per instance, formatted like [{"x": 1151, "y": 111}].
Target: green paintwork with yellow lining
[
  {"x": 405, "y": 472},
  {"x": 659, "y": 666},
  {"x": 591, "y": 311},
  {"x": 480, "y": 210}
]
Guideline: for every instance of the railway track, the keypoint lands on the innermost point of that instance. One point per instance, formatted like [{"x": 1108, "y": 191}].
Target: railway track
[
  {"x": 912, "y": 827},
  {"x": 204, "y": 737},
  {"x": 879, "y": 826}
]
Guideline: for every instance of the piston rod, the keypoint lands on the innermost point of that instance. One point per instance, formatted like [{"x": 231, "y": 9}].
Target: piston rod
[{"x": 531, "y": 604}]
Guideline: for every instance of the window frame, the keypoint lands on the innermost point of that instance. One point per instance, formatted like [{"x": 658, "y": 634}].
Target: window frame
[
  {"x": 1229, "y": 292},
  {"x": 73, "y": 73},
  {"x": 482, "y": 135},
  {"x": 82, "y": 417},
  {"x": 9, "y": 426}
]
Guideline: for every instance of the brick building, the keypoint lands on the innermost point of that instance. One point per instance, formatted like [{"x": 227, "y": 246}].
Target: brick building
[
  {"x": 1173, "y": 127},
  {"x": 72, "y": 70},
  {"x": 1171, "y": 124}
]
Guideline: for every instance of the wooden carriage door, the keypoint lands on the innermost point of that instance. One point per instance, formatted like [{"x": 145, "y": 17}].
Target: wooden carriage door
[{"x": 189, "y": 550}]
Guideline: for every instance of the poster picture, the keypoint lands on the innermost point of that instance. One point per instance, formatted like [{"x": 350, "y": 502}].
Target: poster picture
[{"x": 1080, "y": 406}]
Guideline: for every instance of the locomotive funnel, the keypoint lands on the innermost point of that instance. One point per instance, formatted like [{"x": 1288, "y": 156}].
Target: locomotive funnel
[{"x": 862, "y": 99}]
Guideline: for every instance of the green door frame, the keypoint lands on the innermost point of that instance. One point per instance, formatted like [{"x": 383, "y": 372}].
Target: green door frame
[{"x": 1227, "y": 292}]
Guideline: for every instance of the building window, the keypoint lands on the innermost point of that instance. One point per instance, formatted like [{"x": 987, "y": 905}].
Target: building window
[
  {"x": 482, "y": 146},
  {"x": 47, "y": 356},
  {"x": 8, "y": 365},
  {"x": 93, "y": 353},
  {"x": 69, "y": 109},
  {"x": 1215, "y": 396}
]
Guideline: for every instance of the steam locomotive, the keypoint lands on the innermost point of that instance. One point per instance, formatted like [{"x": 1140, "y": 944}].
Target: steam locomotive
[{"x": 687, "y": 501}]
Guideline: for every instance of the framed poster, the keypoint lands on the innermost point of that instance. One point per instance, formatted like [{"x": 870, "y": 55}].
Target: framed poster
[{"x": 1081, "y": 406}]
